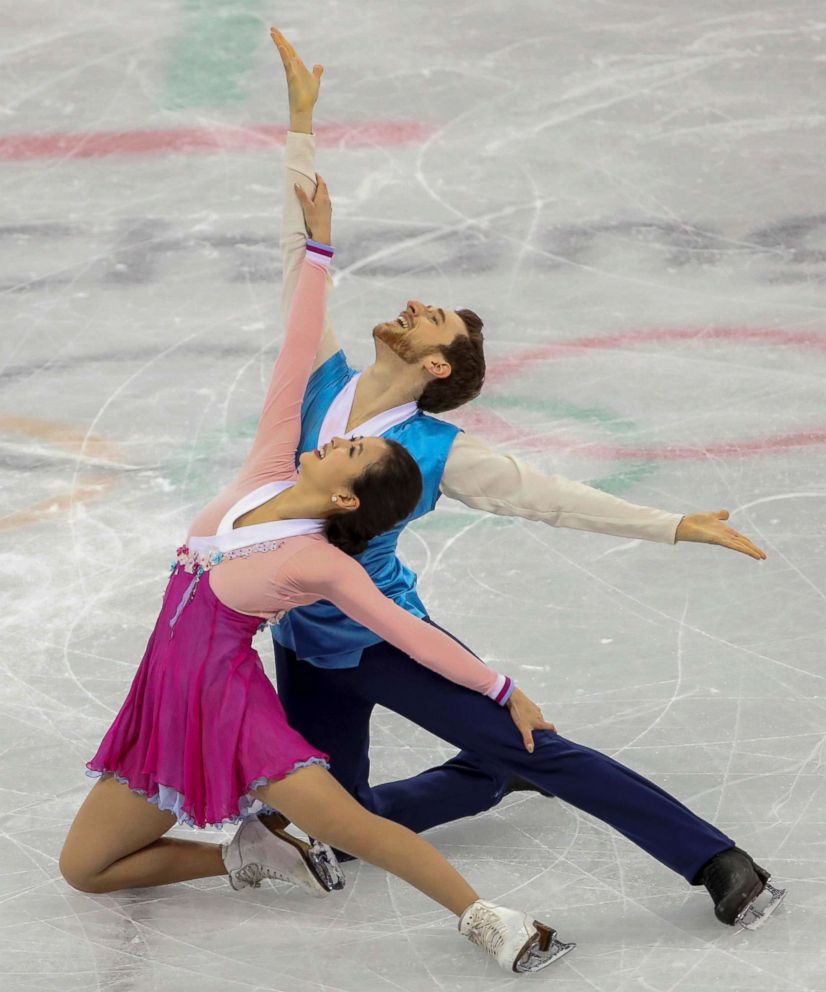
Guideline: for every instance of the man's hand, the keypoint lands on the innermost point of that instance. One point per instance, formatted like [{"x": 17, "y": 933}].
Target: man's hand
[
  {"x": 527, "y": 716},
  {"x": 302, "y": 85},
  {"x": 708, "y": 528},
  {"x": 318, "y": 212}
]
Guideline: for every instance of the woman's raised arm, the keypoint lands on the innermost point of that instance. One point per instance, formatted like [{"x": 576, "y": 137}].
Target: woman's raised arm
[{"x": 279, "y": 427}]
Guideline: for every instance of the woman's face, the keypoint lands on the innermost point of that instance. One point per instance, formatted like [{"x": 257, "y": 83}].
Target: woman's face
[{"x": 334, "y": 466}]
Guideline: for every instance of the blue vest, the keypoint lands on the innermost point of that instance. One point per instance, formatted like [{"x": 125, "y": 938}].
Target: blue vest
[{"x": 321, "y": 633}]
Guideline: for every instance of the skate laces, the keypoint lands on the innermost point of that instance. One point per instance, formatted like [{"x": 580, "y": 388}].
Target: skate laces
[
  {"x": 486, "y": 930},
  {"x": 252, "y": 873}
]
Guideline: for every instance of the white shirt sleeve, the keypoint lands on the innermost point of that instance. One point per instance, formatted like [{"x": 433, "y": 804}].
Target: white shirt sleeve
[
  {"x": 500, "y": 483},
  {"x": 299, "y": 167}
]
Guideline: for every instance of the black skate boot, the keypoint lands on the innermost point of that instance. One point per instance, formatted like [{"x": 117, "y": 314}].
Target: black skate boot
[{"x": 734, "y": 883}]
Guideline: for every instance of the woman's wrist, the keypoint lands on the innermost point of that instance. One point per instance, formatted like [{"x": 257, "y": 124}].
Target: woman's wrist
[
  {"x": 501, "y": 690},
  {"x": 321, "y": 254}
]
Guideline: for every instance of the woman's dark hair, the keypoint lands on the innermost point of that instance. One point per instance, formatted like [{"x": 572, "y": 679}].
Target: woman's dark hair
[
  {"x": 466, "y": 355},
  {"x": 387, "y": 490}
]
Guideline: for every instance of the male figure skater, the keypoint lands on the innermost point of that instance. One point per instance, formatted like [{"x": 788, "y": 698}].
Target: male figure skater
[{"x": 331, "y": 672}]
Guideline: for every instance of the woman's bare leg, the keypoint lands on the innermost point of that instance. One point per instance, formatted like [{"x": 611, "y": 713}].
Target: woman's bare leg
[
  {"x": 318, "y": 805},
  {"x": 115, "y": 843},
  {"x": 116, "y": 840}
]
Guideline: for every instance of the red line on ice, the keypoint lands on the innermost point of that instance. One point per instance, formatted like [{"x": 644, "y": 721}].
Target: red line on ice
[
  {"x": 569, "y": 349},
  {"x": 498, "y": 429},
  {"x": 200, "y": 140}
]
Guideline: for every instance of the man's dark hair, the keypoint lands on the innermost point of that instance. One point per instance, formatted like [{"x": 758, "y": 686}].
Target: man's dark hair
[
  {"x": 388, "y": 492},
  {"x": 466, "y": 355}
]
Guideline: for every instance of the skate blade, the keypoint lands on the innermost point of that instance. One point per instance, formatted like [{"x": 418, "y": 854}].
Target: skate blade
[
  {"x": 325, "y": 867},
  {"x": 532, "y": 959},
  {"x": 760, "y": 909}
]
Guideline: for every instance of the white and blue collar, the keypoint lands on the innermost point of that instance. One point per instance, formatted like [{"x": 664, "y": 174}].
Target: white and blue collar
[{"x": 338, "y": 414}]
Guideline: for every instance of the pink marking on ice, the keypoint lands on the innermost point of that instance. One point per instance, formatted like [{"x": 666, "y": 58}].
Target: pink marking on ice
[
  {"x": 500, "y": 431},
  {"x": 571, "y": 349},
  {"x": 201, "y": 140}
]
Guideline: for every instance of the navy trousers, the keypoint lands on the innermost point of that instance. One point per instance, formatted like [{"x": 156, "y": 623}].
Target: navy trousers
[{"x": 332, "y": 709}]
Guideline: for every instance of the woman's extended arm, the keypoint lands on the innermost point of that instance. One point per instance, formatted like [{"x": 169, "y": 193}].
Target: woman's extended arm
[
  {"x": 279, "y": 427},
  {"x": 324, "y": 572}
]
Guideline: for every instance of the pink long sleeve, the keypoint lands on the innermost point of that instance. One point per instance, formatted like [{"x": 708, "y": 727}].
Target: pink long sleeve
[
  {"x": 273, "y": 451},
  {"x": 323, "y": 572},
  {"x": 272, "y": 457}
]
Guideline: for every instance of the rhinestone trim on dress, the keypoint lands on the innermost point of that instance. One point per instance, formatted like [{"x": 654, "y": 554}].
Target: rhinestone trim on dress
[
  {"x": 201, "y": 561},
  {"x": 198, "y": 562}
]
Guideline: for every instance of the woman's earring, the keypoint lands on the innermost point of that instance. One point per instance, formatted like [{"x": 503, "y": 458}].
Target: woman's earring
[{"x": 334, "y": 499}]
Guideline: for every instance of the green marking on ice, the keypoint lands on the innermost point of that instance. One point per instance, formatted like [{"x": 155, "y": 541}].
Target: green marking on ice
[
  {"x": 212, "y": 52},
  {"x": 617, "y": 482},
  {"x": 567, "y": 411},
  {"x": 623, "y": 479}
]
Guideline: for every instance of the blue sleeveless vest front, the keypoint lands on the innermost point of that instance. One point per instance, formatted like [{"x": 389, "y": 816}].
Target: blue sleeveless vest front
[{"x": 321, "y": 633}]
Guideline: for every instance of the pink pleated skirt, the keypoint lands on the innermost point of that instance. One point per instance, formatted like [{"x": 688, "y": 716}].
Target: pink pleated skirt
[{"x": 202, "y": 725}]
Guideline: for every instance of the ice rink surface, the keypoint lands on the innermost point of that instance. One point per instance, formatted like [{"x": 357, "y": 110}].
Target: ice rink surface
[{"x": 640, "y": 181}]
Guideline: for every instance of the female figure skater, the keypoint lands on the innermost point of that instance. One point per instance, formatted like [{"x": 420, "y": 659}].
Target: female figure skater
[{"x": 202, "y": 732}]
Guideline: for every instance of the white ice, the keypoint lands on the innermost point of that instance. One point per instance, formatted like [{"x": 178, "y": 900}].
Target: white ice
[{"x": 592, "y": 169}]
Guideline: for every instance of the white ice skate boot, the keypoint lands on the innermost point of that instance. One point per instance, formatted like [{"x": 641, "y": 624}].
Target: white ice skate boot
[
  {"x": 256, "y": 852},
  {"x": 512, "y": 939}
]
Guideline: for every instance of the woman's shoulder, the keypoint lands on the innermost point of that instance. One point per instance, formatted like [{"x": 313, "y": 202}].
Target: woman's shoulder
[{"x": 315, "y": 562}]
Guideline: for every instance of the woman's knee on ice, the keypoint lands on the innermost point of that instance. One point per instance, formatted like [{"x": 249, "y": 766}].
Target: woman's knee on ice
[{"x": 79, "y": 872}]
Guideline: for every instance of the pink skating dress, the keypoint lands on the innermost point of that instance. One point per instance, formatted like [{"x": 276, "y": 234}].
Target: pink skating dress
[{"x": 202, "y": 725}]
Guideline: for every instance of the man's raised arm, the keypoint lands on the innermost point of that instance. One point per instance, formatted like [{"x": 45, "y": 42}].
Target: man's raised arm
[{"x": 299, "y": 169}]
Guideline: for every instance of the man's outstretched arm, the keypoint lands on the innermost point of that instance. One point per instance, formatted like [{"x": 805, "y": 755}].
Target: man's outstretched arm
[
  {"x": 299, "y": 169},
  {"x": 500, "y": 483}
]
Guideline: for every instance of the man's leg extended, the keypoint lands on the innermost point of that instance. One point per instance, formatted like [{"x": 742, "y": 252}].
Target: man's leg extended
[{"x": 581, "y": 776}]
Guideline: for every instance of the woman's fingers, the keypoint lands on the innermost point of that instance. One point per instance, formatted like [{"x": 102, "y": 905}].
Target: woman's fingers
[
  {"x": 322, "y": 194},
  {"x": 527, "y": 730},
  {"x": 527, "y": 739}
]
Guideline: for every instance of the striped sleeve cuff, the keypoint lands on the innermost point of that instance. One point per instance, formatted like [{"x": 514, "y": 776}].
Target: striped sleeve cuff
[
  {"x": 500, "y": 691},
  {"x": 320, "y": 253}
]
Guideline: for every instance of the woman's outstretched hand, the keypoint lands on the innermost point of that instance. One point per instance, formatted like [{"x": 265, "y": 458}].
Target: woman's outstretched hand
[
  {"x": 709, "y": 528},
  {"x": 527, "y": 716},
  {"x": 302, "y": 85},
  {"x": 318, "y": 212}
]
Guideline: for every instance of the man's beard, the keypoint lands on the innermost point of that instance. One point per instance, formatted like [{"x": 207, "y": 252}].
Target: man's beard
[{"x": 398, "y": 341}]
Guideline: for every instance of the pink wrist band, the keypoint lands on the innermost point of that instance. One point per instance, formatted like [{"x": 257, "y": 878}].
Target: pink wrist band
[
  {"x": 501, "y": 690},
  {"x": 320, "y": 253}
]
